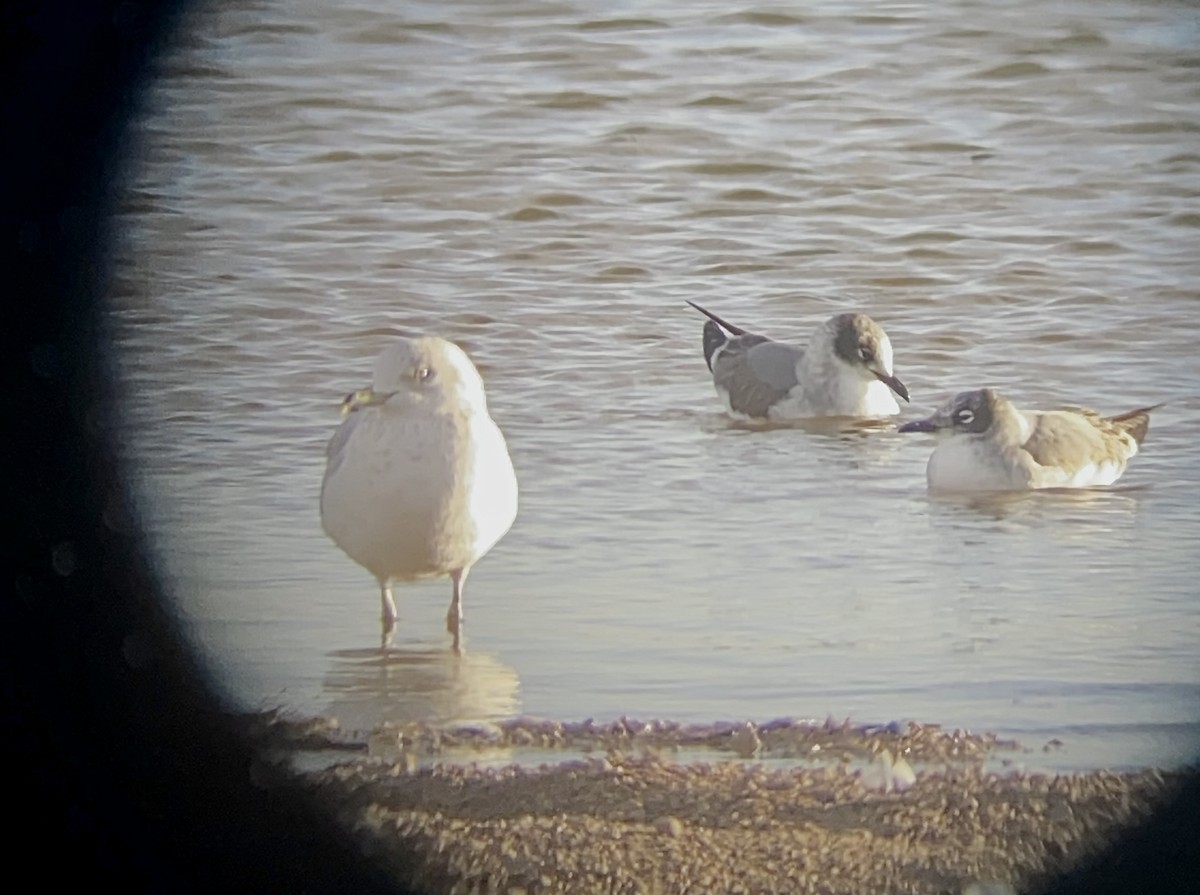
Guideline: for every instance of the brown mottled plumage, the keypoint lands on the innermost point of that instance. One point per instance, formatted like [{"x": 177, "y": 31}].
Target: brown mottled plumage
[{"x": 991, "y": 445}]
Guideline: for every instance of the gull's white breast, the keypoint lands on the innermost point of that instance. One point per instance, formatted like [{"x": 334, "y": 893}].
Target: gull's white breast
[
  {"x": 965, "y": 464},
  {"x": 416, "y": 495},
  {"x": 491, "y": 485},
  {"x": 833, "y": 388},
  {"x": 878, "y": 401},
  {"x": 837, "y": 393}
]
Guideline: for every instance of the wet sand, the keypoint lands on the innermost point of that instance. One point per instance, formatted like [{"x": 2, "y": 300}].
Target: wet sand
[{"x": 652, "y": 807}]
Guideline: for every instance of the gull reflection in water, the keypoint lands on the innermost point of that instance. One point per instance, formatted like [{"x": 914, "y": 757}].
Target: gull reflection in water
[
  {"x": 1036, "y": 507},
  {"x": 428, "y": 686}
]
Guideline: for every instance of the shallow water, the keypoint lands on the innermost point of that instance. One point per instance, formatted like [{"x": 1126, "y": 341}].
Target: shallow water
[{"x": 1010, "y": 189}]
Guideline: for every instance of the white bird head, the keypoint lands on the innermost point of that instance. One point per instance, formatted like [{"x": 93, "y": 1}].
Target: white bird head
[{"x": 426, "y": 372}]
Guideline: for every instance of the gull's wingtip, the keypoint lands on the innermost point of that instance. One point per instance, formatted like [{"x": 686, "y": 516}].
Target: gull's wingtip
[
  {"x": 1136, "y": 422},
  {"x": 724, "y": 324}
]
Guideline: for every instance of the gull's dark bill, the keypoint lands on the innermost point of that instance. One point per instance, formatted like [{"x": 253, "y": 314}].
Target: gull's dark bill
[
  {"x": 918, "y": 426},
  {"x": 894, "y": 383}
]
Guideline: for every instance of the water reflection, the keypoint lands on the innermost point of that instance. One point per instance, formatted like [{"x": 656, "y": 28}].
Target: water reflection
[
  {"x": 400, "y": 685},
  {"x": 1040, "y": 506},
  {"x": 844, "y": 427}
]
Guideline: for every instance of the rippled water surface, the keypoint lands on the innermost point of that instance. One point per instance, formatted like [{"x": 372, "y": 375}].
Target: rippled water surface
[{"x": 1009, "y": 188}]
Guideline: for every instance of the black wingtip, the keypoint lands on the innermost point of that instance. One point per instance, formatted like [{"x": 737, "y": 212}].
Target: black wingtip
[
  {"x": 728, "y": 327},
  {"x": 1136, "y": 422}
]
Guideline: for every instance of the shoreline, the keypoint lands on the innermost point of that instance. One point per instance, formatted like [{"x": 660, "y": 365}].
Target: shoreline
[{"x": 662, "y": 807}]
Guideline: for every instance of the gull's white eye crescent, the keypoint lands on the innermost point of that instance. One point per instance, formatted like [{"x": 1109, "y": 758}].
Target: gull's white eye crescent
[
  {"x": 964, "y": 416},
  {"x": 866, "y": 353}
]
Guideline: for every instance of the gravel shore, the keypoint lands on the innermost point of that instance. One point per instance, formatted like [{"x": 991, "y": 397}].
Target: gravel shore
[{"x": 630, "y": 809}]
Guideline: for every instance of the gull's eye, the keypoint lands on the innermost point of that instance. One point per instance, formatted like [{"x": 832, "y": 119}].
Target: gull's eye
[
  {"x": 423, "y": 374},
  {"x": 965, "y": 416},
  {"x": 866, "y": 353}
]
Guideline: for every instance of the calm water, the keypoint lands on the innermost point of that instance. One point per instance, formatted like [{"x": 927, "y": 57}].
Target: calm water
[{"x": 1010, "y": 188}]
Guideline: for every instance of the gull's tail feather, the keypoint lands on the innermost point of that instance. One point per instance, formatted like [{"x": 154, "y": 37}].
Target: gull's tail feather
[{"x": 1135, "y": 422}]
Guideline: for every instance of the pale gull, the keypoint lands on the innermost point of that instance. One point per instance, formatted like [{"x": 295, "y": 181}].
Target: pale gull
[
  {"x": 846, "y": 370},
  {"x": 418, "y": 481},
  {"x": 988, "y": 444}
]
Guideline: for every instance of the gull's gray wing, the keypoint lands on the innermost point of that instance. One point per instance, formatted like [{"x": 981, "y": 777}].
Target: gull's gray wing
[{"x": 756, "y": 373}]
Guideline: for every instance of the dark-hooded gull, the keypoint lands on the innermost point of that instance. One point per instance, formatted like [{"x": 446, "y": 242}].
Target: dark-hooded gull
[
  {"x": 988, "y": 444},
  {"x": 846, "y": 370}
]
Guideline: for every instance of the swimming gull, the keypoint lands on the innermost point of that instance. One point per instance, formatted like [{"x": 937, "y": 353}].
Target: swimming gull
[
  {"x": 418, "y": 481},
  {"x": 846, "y": 370},
  {"x": 988, "y": 444}
]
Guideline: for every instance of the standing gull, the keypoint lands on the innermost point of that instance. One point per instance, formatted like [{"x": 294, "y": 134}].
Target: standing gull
[
  {"x": 988, "y": 444},
  {"x": 846, "y": 370},
  {"x": 418, "y": 482}
]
